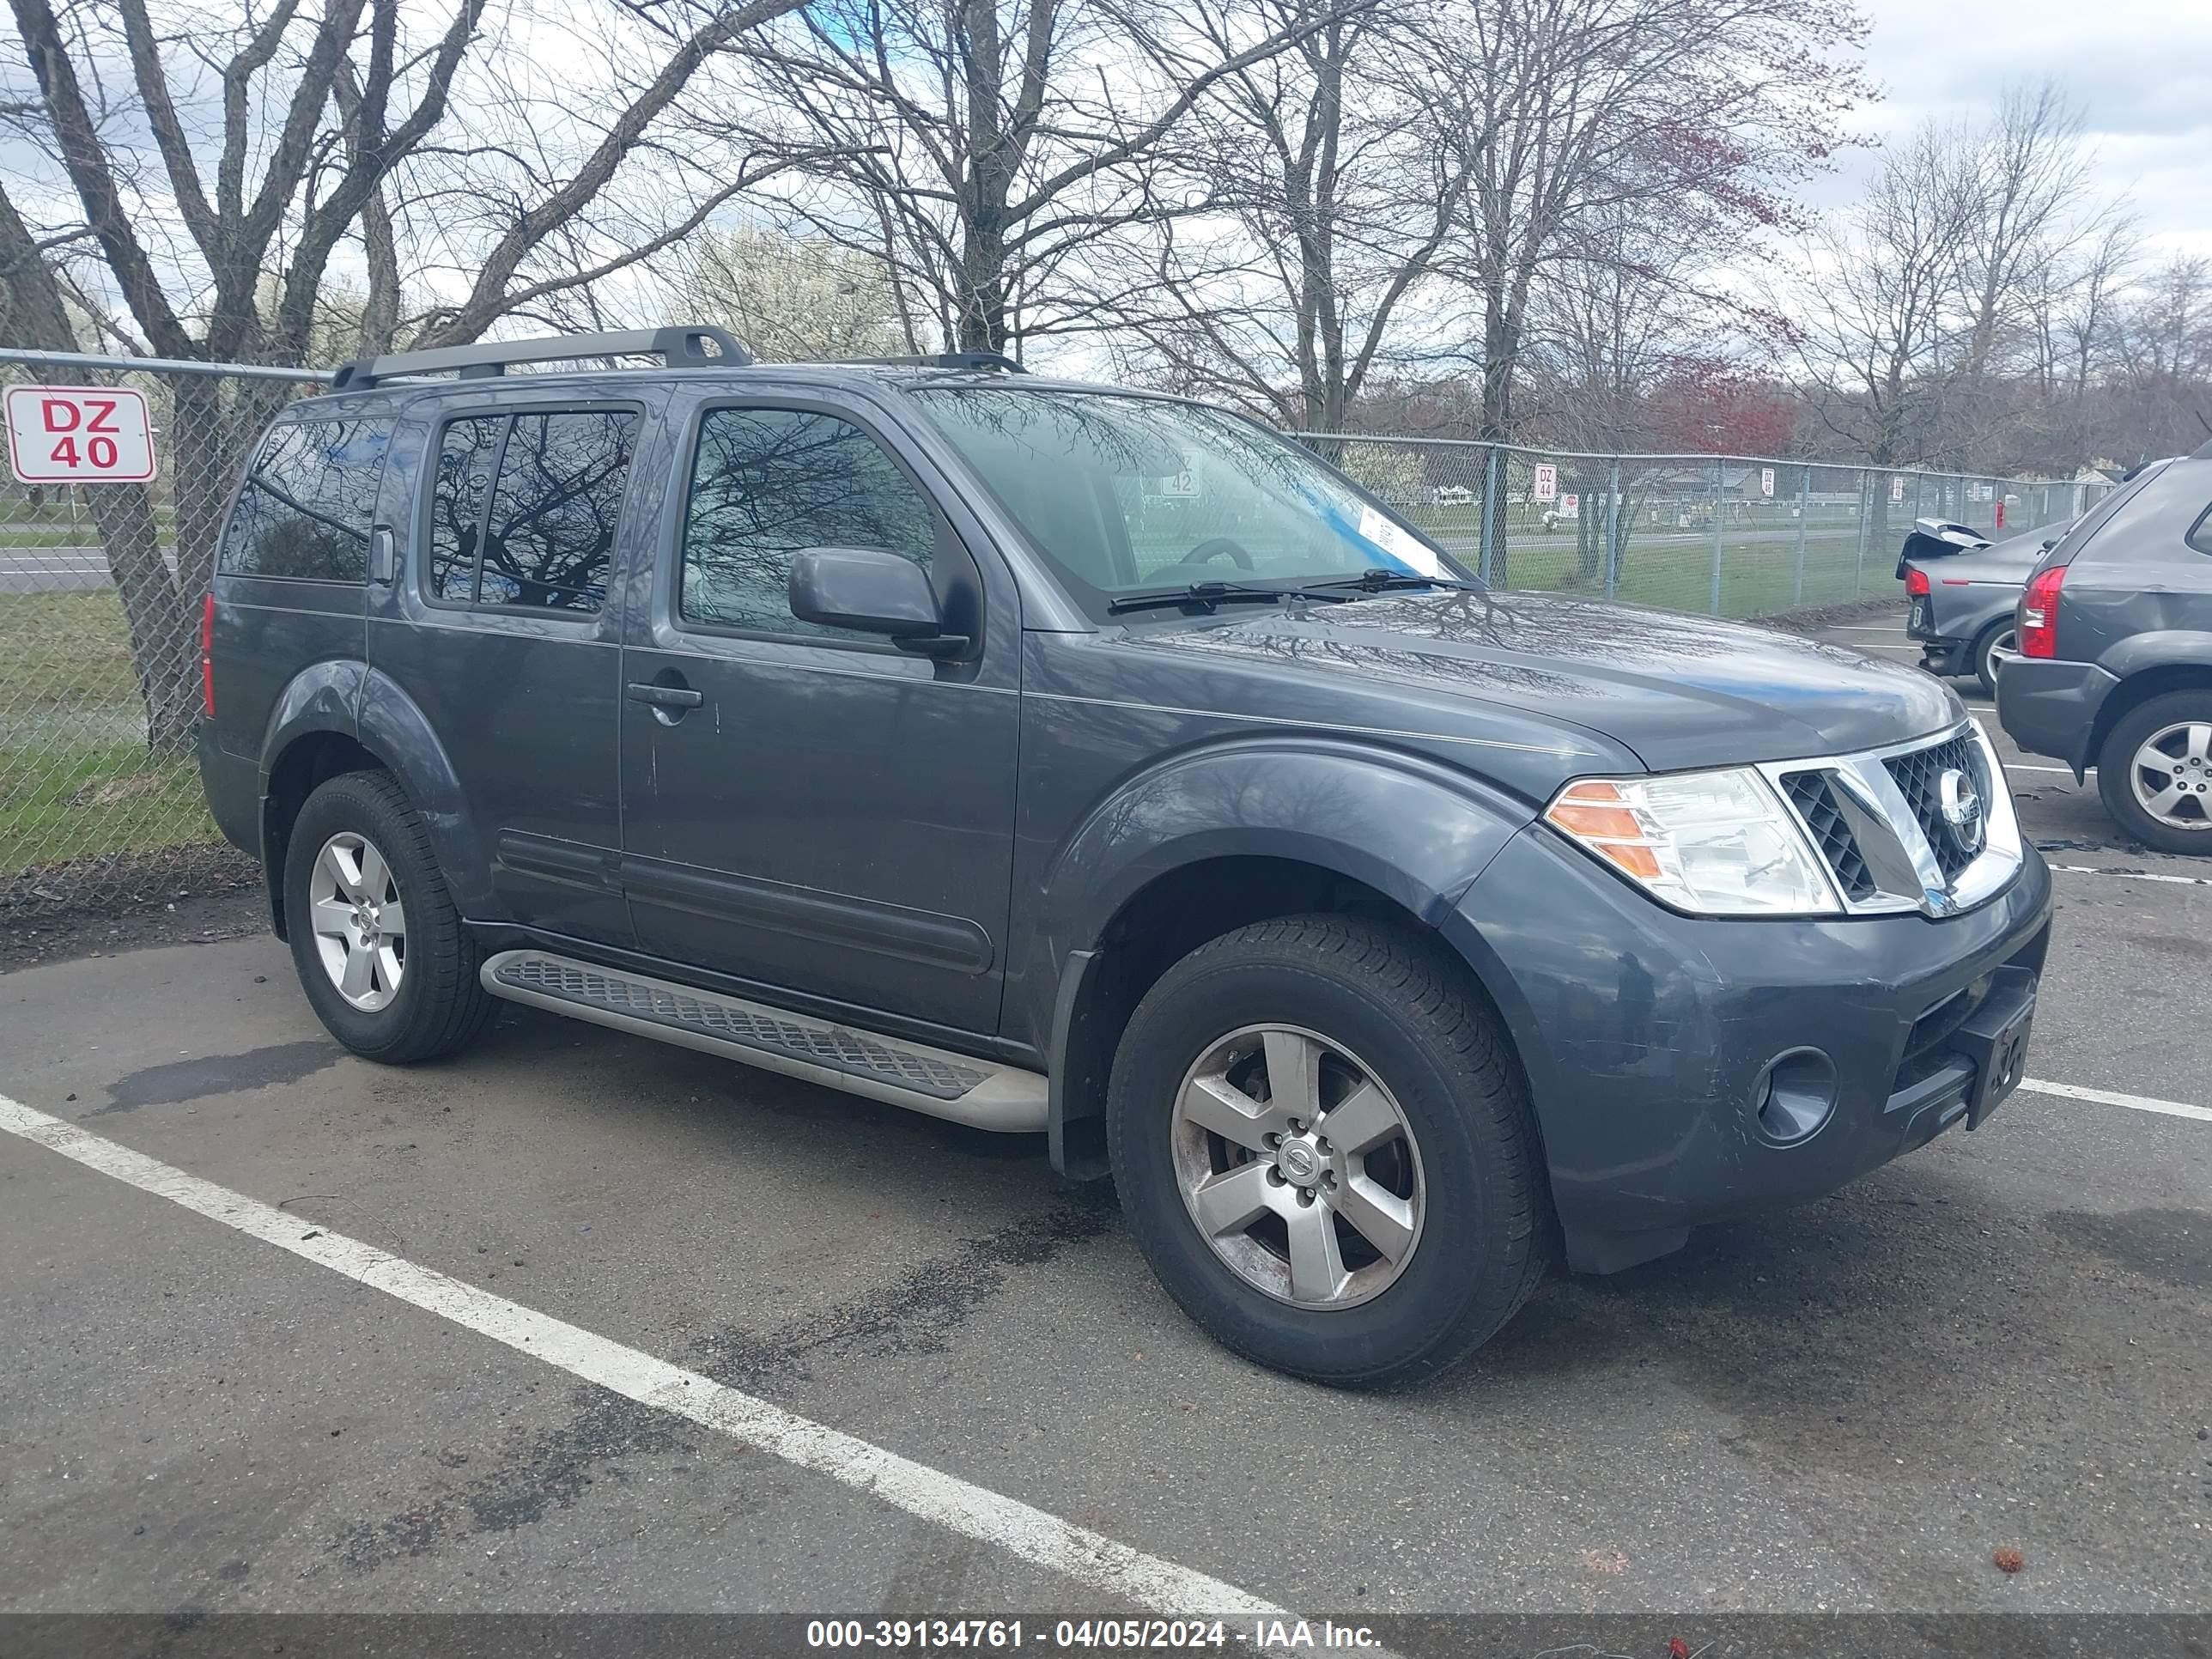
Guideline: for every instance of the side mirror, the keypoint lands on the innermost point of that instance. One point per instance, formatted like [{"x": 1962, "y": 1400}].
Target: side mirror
[{"x": 871, "y": 590}]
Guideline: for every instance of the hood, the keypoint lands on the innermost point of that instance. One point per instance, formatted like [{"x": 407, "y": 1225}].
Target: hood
[{"x": 1679, "y": 691}]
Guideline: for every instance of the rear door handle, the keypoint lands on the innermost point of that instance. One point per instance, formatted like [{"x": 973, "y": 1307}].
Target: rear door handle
[{"x": 663, "y": 697}]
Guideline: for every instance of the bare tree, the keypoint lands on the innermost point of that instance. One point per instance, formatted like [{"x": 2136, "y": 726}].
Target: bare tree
[
  {"x": 1868, "y": 314},
  {"x": 1694, "y": 112},
  {"x": 1330, "y": 190},
  {"x": 207, "y": 198},
  {"x": 788, "y": 298},
  {"x": 980, "y": 149}
]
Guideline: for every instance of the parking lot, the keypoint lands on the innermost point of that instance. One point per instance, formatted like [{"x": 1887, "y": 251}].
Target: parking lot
[{"x": 750, "y": 1346}]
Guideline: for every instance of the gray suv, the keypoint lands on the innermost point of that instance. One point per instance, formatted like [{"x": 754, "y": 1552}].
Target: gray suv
[
  {"x": 2115, "y": 663},
  {"x": 1054, "y": 758}
]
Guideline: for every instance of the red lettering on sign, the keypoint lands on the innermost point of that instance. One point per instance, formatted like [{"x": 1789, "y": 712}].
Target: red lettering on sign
[
  {"x": 100, "y": 452},
  {"x": 103, "y": 415},
  {"x": 54, "y": 408},
  {"x": 65, "y": 451}
]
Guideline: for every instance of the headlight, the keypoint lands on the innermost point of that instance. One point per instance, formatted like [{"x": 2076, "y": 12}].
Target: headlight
[{"x": 1719, "y": 843}]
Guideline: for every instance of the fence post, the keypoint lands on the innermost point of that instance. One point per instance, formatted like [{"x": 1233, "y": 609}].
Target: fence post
[
  {"x": 1612, "y": 529},
  {"x": 1487, "y": 561},
  {"x": 1869, "y": 488},
  {"x": 1804, "y": 513},
  {"x": 1713, "y": 601}
]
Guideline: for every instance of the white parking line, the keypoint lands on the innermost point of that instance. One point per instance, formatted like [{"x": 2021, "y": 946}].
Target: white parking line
[
  {"x": 1861, "y": 627},
  {"x": 1046, "y": 1540},
  {"x": 2112, "y": 1097},
  {"x": 2131, "y": 875}
]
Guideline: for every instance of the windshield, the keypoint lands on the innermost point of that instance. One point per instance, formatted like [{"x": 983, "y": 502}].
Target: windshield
[{"x": 1127, "y": 496}]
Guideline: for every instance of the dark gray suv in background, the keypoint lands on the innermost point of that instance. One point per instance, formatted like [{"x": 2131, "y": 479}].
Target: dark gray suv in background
[
  {"x": 1049, "y": 757},
  {"x": 2115, "y": 663}
]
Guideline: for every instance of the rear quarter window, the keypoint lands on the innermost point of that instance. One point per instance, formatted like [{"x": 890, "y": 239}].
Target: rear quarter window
[
  {"x": 2200, "y": 533},
  {"x": 308, "y": 498}
]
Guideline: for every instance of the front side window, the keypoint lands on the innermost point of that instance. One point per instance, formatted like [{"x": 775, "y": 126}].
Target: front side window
[
  {"x": 523, "y": 508},
  {"x": 768, "y": 483},
  {"x": 308, "y": 499},
  {"x": 1125, "y": 494}
]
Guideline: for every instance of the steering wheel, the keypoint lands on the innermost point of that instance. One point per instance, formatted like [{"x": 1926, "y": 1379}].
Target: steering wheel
[{"x": 1218, "y": 547}]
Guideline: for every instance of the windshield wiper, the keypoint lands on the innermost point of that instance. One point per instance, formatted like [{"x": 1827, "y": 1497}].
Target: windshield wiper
[
  {"x": 1380, "y": 579},
  {"x": 1206, "y": 595}
]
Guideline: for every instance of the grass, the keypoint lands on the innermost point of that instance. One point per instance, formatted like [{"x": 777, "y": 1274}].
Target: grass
[{"x": 76, "y": 781}]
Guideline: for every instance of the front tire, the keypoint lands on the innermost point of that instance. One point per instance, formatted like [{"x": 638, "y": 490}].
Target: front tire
[
  {"x": 2154, "y": 772},
  {"x": 1325, "y": 1153},
  {"x": 379, "y": 948}
]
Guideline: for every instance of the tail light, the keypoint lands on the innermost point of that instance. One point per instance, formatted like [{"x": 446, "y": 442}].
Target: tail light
[
  {"x": 2038, "y": 613},
  {"x": 1916, "y": 583},
  {"x": 207, "y": 656}
]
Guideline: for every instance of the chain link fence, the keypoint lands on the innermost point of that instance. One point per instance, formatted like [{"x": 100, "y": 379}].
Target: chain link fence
[
  {"x": 1727, "y": 535},
  {"x": 100, "y": 587}
]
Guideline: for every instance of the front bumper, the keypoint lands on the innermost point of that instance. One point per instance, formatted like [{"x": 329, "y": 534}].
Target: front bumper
[
  {"x": 2049, "y": 706},
  {"x": 1650, "y": 1038}
]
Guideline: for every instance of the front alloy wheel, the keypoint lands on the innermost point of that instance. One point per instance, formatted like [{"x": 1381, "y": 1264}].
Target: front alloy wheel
[
  {"x": 359, "y": 923},
  {"x": 1298, "y": 1166}
]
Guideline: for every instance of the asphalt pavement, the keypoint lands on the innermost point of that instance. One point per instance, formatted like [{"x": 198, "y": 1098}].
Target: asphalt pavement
[{"x": 664, "y": 1334}]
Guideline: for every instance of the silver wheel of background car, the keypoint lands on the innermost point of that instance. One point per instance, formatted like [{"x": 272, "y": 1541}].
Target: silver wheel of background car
[
  {"x": 360, "y": 925},
  {"x": 2171, "y": 776},
  {"x": 1298, "y": 1166},
  {"x": 2002, "y": 650}
]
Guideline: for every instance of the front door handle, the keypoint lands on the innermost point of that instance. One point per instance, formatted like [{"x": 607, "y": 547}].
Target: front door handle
[{"x": 663, "y": 697}]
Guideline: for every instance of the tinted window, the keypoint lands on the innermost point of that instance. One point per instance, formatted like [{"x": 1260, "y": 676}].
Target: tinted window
[
  {"x": 767, "y": 484},
  {"x": 309, "y": 497},
  {"x": 523, "y": 510},
  {"x": 466, "y": 455}
]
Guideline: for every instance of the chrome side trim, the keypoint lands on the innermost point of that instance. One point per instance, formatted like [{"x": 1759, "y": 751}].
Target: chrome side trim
[
  {"x": 982, "y": 1093},
  {"x": 1896, "y": 849}
]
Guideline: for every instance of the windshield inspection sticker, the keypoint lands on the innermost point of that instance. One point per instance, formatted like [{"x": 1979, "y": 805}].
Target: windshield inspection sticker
[{"x": 1406, "y": 549}]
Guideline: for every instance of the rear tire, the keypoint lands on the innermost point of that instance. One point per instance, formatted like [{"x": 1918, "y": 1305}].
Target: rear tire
[
  {"x": 379, "y": 946},
  {"x": 2164, "y": 746},
  {"x": 1997, "y": 637},
  {"x": 1356, "y": 1018}
]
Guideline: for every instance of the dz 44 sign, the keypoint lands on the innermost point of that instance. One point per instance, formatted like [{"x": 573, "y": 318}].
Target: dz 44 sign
[{"x": 78, "y": 434}]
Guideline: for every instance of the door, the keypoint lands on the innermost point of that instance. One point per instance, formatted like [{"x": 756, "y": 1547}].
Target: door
[
  {"x": 503, "y": 633},
  {"x": 805, "y": 808}
]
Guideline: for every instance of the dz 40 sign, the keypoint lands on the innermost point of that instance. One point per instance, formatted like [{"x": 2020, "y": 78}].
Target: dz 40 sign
[{"x": 78, "y": 434}]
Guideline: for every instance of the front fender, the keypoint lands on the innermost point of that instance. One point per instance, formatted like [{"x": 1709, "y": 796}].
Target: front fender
[{"x": 1409, "y": 827}]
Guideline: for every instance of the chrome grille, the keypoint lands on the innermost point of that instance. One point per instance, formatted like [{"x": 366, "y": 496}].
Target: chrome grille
[
  {"x": 1814, "y": 798},
  {"x": 1876, "y": 819},
  {"x": 1919, "y": 776}
]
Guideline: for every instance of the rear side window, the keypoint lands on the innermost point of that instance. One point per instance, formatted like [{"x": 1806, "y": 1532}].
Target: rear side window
[
  {"x": 768, "y": 483},
  {"x": 523, "y": 508},
  {"x": 309, "y": 497}
]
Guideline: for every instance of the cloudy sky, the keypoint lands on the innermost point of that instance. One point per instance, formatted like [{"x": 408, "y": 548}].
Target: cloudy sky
[{"x": 2140, "y": 70}]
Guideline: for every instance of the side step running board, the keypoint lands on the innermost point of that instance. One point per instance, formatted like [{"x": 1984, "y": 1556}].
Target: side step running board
[{"x": 980, "y": 1092}]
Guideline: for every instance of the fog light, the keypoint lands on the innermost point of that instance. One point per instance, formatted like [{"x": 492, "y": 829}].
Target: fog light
[{"x": 1794, "y": 1095}]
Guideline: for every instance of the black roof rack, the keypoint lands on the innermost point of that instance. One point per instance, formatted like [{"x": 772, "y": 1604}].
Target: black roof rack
[
  {"x": 997, "y": 360},
  {"x": 680, "y": 347}
]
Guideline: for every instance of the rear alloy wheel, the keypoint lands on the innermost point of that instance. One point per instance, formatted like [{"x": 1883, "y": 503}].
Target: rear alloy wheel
[
  {"x": 1325, "y": 1149},
  {"x": 359, "y": 923},
  {"x": 1997, "y": 648},
  {"x": 2155, "y": 772},
  {"x": 380, "y": 949}
]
